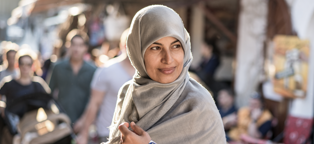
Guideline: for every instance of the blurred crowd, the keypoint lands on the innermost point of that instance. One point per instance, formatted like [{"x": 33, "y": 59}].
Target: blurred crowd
[
  {"x": 75, "y": 56},
  {"x": 88, "y": 94},
  {"x": 73, "y": 81},
  {"x": 85, "y": 71}
]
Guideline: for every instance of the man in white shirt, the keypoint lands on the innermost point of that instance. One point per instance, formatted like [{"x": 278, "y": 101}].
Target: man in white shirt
[
  {"x": 105, "y": 87},
  {"x": 10, "y": 70}
]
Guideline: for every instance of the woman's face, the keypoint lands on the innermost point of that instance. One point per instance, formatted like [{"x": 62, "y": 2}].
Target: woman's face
[
  {"x": 224, "y": 99},
  {"x": 26, "y": 66},
  {"x": 206, "y": 50},
  {"x": 164, "y": 60},
  {"x": 255, "y": 104}
]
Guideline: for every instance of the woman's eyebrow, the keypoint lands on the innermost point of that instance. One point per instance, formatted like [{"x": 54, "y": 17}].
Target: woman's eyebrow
[
  {"x": 175, "y": 41},
  {"x": 157, "y": 43}
]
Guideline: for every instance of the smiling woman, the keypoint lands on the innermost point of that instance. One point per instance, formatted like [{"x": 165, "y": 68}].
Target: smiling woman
[
  {"x": 161, "y": 102},
  {"x": 164, "y": 60}
]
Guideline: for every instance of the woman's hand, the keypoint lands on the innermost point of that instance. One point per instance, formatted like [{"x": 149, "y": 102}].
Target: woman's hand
[
  {"x": 82, "y": 138},
  {"x": 230, "y": 121},
  {"x": 137, "y": 136},
  {"x": 78, "y": 126},
  {"x": 256, "y": 113}
]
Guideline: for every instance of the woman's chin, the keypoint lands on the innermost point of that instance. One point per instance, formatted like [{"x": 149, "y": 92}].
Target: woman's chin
[{"x": 164, "y": 79}]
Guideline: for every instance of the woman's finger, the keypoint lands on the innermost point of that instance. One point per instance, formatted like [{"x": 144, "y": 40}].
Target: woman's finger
[
  {"x": 126, "y": 124},
  {"x": 124, "y": 130},
  {"x": 136, "y": 129}
]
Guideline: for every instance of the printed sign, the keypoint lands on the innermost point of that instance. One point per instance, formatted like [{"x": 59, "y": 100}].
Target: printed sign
[{"x": 291, "y": 57}]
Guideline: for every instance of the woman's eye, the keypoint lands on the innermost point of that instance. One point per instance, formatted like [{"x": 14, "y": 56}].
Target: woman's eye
[
  {"x": 155, "y": 48},
  {"x": 177, "y": 46}
]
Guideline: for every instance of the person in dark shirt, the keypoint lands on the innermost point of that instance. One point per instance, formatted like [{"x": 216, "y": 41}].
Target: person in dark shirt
[
  {"x": 70, "y": 78},
  {"x": 252, "y": 122},
  {"x": 13, "y": 89},
  {"x": 227, "y": 108},
  {"x": 26, "y": 83},
  {"x": 210, "y": 60}
]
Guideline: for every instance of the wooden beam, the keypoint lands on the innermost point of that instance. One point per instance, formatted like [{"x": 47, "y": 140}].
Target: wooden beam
[{"x": 218, "y": 24}]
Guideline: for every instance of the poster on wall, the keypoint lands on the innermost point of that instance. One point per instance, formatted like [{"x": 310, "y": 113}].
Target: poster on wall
[{"x": 291, "y": 62}]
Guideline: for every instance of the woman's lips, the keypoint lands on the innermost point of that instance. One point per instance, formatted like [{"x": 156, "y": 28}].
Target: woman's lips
[{"x": 167, "y": 70}]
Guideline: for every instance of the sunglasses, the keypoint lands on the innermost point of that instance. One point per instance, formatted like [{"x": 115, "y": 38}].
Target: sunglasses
[{"x": 26, "y": 64}]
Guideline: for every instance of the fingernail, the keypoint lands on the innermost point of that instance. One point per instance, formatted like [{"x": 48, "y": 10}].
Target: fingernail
[{"x": 121, "y": 124}]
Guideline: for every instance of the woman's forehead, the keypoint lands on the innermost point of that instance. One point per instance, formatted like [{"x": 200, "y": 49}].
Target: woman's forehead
[
  {"x": 26, "y": 58},
  {"x": 167, "y": 39}
]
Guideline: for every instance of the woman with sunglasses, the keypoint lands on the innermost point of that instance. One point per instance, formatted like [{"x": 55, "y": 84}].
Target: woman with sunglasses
[{"x": 24, "y": 84}]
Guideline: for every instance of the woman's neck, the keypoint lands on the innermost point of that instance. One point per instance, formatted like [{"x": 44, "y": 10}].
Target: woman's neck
[
  {"x": 76, "y": 62},
  {"x": 24, "y": 80},
  {"x": 226, "y": 108}
]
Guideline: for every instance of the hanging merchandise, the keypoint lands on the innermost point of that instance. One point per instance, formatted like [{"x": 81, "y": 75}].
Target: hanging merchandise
[
  {"x": 291, "y": 65},
  {"x": 96, "y": 30},
  {"x": 115, "y": 23}
]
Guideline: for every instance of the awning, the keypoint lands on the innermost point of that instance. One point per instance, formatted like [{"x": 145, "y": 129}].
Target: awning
[
  {"x": 45, "y": 5},
  {"x": 172, "y": 3}
]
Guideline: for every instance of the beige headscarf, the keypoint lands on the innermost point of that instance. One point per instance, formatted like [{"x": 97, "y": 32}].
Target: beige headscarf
[{"x": 178, "y": 112}]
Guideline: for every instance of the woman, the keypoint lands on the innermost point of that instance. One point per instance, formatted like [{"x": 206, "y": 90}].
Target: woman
[
  {"x": 253, "y": 122},
  {"x": 165, "y": 103},
  {"x": 24, "y": 84}
]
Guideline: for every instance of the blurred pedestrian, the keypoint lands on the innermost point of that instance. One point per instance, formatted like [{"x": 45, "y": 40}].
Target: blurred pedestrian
[
  {"x": 209, "y": 64},
  {"x": 253, "y": 121},
  {"x": 210, "y": 60},
  {"x": 10, "y": 70},
  {"x": 227, "y": 108},
  {"x": 26, "y": 83},
  {"x": 105, "y": 87},
  {"x": 70, "y": 78}
]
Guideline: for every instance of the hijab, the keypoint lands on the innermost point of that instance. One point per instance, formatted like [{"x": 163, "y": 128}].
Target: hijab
[{"x": 179, "y": 109}]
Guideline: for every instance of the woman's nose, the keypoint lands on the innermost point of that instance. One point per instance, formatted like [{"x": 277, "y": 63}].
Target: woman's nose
[{"x": 166, "y": 57}]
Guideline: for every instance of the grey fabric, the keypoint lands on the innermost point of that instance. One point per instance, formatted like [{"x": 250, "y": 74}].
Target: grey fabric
[{"x": 178, "y": 112}]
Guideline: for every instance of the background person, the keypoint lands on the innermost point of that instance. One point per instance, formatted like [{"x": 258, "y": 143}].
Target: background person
[
  {"x": 210, "y": 60},
  {"x": 209, "y": 64},
  {"x": 10, "y": 70},
  {"x": 72, "y": 76},
  {"x": 105, "y": 87},
  {"x": 253, "y": 121},
  {"x": 226, "y": 107},
  {"x": 20, "y": 86}
]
